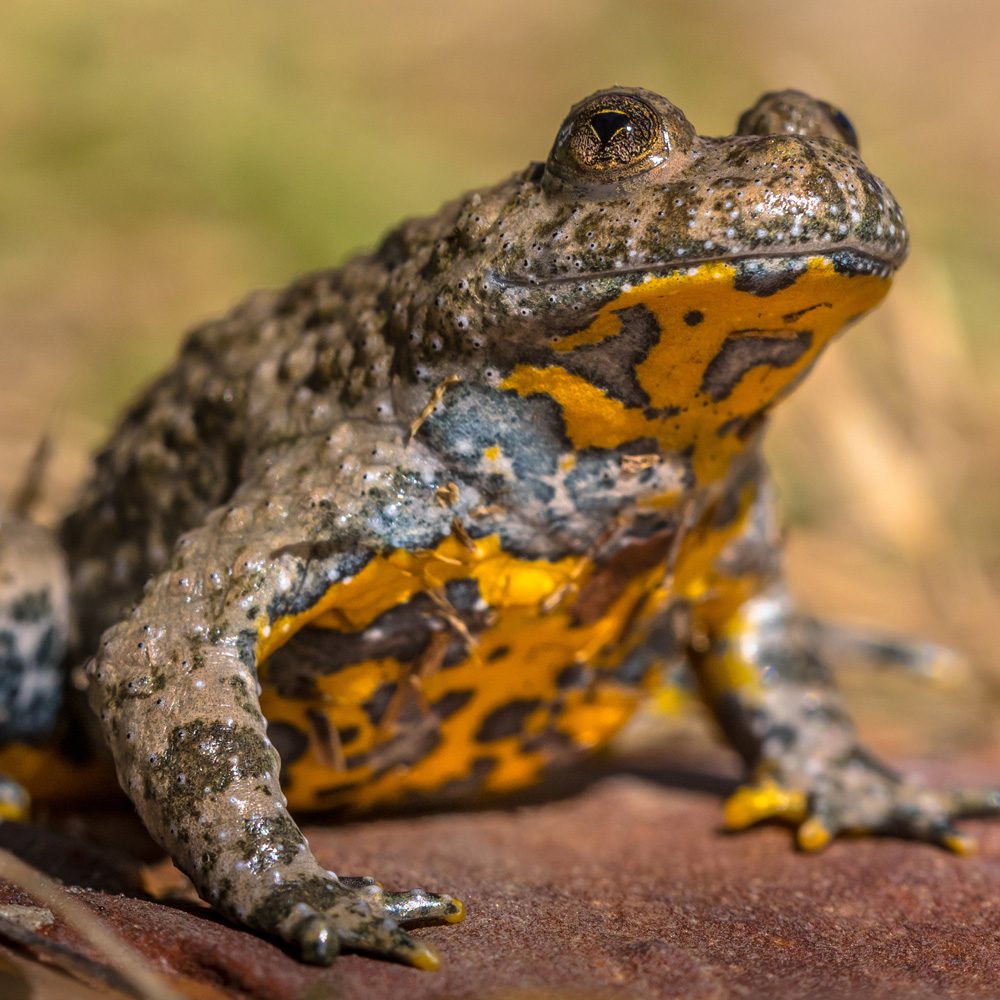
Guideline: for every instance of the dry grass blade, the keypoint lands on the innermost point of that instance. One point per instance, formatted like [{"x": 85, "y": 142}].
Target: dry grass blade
[
  {"x": 122, "y": 958},
  {"x": 64, "y": 958},
  {"x": 436, "y": 396},
  {"x": 30, "y": 490}
]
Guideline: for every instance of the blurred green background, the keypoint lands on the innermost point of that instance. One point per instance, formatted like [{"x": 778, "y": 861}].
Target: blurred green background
[{"x": 161, "y": 158}]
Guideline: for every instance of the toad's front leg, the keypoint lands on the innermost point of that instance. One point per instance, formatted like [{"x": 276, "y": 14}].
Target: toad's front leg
[{"x": 175, "y": 687}]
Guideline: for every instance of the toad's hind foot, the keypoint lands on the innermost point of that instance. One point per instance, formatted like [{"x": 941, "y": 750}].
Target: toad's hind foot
[
  {"x": 320, "y": 917},
  {"x": 15, "y": 803},
  {"x": 861, "y": 797}
]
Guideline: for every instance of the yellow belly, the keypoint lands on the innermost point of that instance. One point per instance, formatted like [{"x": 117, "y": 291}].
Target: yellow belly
[{"x": 550, "y": 622}]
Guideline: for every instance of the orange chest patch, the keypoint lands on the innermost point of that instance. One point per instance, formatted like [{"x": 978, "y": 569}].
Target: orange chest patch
[{"x": 723, "y": 355}]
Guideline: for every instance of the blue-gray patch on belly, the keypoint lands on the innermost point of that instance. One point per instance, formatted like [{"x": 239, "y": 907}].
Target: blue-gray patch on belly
[{"x": 529, "y": 431}]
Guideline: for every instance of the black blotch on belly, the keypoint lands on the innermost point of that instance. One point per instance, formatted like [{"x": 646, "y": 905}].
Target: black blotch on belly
[
  {"x": 550, "y": 741},
  {"x": 340, "y": 788},
  {"x": 507, "y": 720},
  {"x": 401, "y": 633},
  {"x": 611, "y": 364},
  {"x": 451, "y": 703},
  {"x": 290, "y": 742},
  {"x": 403, "y": 750},
  {"x": 377, "y": 705},
  {"x": 573, "y": 676},
  {"x": 744, "y": 350},
  {"x": 458, "y": 788}
]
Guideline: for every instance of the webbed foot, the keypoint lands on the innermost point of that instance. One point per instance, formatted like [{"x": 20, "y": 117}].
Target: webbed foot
[
  {"x": 414, "y": 906},
  {"x": 856, "y": 794},
  {"x": 319, "y": 917}
]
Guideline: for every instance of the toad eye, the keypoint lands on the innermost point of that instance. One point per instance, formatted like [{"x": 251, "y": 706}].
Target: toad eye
[
  {"x": 843, "y": 125},
  {"x": 608, "y": 124},
  {"x": 615, "y": 133},
  {"x": 790, "y": 112}
]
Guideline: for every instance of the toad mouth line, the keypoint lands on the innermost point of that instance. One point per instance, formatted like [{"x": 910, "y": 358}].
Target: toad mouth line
[{"x": 848, "y": 260}]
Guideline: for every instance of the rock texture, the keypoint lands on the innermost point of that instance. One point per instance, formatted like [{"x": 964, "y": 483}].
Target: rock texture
[{"x": 623, "y": 888}]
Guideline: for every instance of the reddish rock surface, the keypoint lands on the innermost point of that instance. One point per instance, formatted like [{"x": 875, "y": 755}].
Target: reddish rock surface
[{"x": 625, "y": 888}]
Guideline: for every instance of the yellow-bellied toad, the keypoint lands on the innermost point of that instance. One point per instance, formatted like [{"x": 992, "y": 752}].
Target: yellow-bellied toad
[{"x": 433, "y": 521}]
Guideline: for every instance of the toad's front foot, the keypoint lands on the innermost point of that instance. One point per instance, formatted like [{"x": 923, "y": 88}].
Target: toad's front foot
[
  {"x": 319, "y": 917},
  {"x": 854, "y": 793}
]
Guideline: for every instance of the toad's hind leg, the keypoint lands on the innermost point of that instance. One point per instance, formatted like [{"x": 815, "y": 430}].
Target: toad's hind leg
[
  {"x": 34, "y": 630},
  {"x": 775, "y": 699},
  {"x": 762, "y": 670},
  {"x": 175, "y": 687}
]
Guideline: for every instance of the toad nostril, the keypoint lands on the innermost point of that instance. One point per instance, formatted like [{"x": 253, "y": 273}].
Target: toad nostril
[{"x": 607, "y": 124}]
